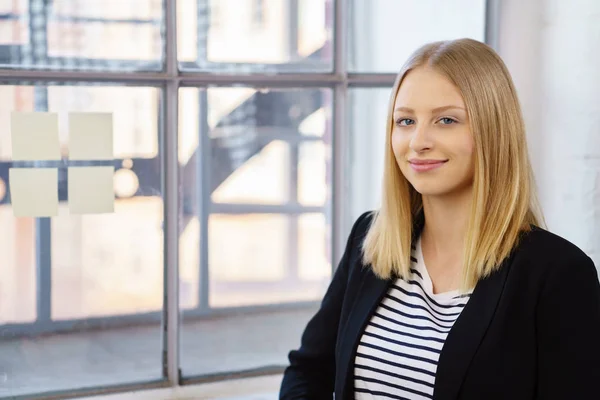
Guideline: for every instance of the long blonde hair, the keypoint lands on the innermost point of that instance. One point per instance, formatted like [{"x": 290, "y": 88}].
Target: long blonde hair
[{"x": 504, "y": 201}]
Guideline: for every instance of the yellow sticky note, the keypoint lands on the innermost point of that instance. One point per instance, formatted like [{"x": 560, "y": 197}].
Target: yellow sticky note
[
  {"x": 91, "y": 190},
  {"x": 34, "y": 192},
  {"x": 90, "y": 136},
  {"x": 34, "y": 136}
]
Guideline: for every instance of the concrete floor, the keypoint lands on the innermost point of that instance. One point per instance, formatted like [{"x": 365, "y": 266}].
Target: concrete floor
[{"x": 112, "y": 357}]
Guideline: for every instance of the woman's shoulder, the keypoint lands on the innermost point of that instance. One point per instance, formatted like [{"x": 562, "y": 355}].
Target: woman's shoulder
[
  {"x": 354, "y": 251},
  {"x": 551, "y": 254},
  {"x": 362, "y": 224},
  {"x": 546, "y": 244}
]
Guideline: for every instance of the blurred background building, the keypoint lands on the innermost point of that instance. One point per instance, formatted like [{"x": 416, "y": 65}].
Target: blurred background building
[{"x": 246, "y": 141}]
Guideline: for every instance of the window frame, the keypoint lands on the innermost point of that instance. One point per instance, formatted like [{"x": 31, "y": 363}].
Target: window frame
[{"x": 169, "y": 80}]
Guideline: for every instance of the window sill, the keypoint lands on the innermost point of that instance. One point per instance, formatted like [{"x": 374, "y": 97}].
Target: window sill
[{"x": 259, "y": 388}]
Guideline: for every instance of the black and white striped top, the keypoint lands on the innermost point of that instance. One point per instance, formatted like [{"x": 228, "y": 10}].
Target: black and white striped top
[{"x": 399, "y": 350}]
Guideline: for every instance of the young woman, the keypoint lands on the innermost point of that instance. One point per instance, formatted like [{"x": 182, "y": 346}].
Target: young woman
[{"x": 452, "y": 289}]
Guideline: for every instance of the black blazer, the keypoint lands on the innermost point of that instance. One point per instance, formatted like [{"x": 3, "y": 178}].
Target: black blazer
[{"x": 531, "y": 330}]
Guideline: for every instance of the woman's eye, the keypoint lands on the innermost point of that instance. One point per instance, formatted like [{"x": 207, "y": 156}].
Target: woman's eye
[
  {"x": 447, "y": 121},
  {"x": 404, "y": 121}
]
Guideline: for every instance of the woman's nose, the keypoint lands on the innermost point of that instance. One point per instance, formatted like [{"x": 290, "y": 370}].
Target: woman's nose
[{"x": 421, "y": 139}]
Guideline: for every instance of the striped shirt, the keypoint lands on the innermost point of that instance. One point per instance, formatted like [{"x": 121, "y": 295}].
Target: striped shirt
[{"x": 399, "y": 350}]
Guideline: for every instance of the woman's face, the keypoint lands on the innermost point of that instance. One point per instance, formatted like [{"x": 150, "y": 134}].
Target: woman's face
[{"x": 431, "y": 135}]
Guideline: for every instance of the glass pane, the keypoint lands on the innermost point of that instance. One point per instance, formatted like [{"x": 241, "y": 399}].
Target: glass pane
[
  {"x": 83, "y": 34},
  {"x": 383, "y": 33},
  {"x": 264, "y": 257},
  {"x": 246, "y": 36},
  {"x": 263, "y": 179},
  {"x": 268, "y": 193},
  {"x": 314, "y": 176},
  {"x": 266, "y": 274},
  {"x": 107, "y": 265},
  {"x": 17, "y": 246},
  {"x": 12, "y": 32},
  {"x": 189, "y": 237},
  {"x": 368, "y": 113},
  {"x": 17, "y": 235},
  {"x": 314, "y": 255},
  {"x": 95, "y": 270}
]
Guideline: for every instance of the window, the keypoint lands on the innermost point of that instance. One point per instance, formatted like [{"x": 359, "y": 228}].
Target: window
[
  {"x": 215, "y": 15},
  {"x": 70, "y": 273},
  {"x": 380, "y": 25},
  {"x": 236, "y": 171},
  {"x": 367, "y": 113},
  {"x": 265, "y": 235},
  {"x": 258, "y": 13},
  {"x": 223, "y": 36},
  {"x": 73, "y": 35}
]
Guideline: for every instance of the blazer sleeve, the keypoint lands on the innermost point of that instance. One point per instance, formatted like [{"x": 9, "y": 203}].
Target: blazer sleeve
[
  {"x": 311, "y": 373},
  {"x": 568, "y": 333}
]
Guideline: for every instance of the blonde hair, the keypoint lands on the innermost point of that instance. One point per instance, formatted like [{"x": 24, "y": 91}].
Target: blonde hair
[{"x": 504, "y": 201}]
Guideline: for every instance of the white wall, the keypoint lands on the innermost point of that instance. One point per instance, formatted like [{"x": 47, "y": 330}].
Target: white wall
[{"x": 551, "y": 48}]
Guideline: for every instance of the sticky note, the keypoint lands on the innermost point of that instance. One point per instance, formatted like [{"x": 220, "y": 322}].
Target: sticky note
[
  {"x": 90, "y": 136},
  {"x": 34, "y": 136},
  {"x": 34, "y": 192},
  {"x": 91, "y": 190}
]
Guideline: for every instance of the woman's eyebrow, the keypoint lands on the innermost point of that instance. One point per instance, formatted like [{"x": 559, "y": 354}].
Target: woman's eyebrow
[{"x": 435, "y": 110}]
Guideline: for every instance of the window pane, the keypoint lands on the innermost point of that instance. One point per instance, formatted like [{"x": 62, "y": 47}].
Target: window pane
[
  {"x": 106, "y": 265},
  {"x": 134, "y": 113},
  {"x": 93, "y": 270},
  {"x": 17, "y": 236},
  {"x": 113, "y": 9},
  {"x": 314, "y": 255},
  {"x": 17, "y": 246},
  {"x": 368, "y": 113},
  {"x": 112, "y": 263},
  {"x": 263, "y": 179},
  {"x": 266, "y": 253},
  {"x": 255, "y": 35},
  {"x": 189, "y": 237},
  {"x": 267, "y": 223},
  {"x": 383, "y": 33},
  {"x": 12, "y": 32},
  {"x": 314, "y": 178},
  {"x": 83, "y": 35}
]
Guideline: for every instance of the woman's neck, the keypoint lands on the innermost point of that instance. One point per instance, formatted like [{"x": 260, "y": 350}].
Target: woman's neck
[
  {"x": 443, "y": 236},
  {"x": 446, "y": 222}
]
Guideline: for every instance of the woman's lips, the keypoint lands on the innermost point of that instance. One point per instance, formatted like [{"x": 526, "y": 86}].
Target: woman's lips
[{"x": 426, "y": 165}]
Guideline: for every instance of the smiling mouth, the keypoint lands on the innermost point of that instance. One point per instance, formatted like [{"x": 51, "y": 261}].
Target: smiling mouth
[{"x": 426, "y": 165}]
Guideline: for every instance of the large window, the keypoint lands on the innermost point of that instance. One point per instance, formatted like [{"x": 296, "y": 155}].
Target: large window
[
  {"x": 261, "y": 177},
  {"x": 384, "y": 32},
  {"x": 237, "y": 169},
  {"x": 263, "y": 36}
]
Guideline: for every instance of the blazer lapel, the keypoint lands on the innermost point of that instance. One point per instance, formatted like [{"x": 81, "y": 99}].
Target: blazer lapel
[
  {"x": 467, "y": 333},
  {"x": 368, "y": 298}
]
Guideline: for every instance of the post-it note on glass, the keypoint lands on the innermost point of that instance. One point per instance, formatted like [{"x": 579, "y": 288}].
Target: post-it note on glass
[
  {"x": 34, "y": 192},
  {"x": 91, "y": 190},
  {"x": 90, "y": 136},
  {"x": 34, "y": 136}
]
